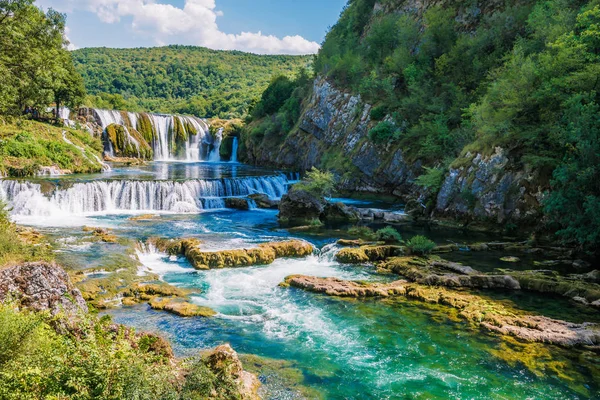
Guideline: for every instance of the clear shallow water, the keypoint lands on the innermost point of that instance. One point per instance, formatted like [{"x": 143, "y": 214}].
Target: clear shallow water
[{"x": 344, "y": 348}]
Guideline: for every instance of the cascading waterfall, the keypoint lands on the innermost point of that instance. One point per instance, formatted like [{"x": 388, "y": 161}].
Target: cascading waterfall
[
  {"x": 214, "y": 155},
  {"x": 234, "y": 149},
  {"x": 122, "y": 196},
  {"x": 197, "y": 145}
]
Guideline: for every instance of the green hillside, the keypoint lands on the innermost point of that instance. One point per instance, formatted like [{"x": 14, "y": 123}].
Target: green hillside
[
  {"x": 180, "y": 79},
  {"x": 451, "y": 79}
]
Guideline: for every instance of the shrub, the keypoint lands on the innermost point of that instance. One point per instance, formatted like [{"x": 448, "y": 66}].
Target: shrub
[
  {"x": 379, "y": 112},
  {"x": 319, "y": 183},
  {"x": 383, "y": 133},
  {"x": 420, "y": 245},
  {"x": 389, "y": 235},
  {"x": 432, "y": 179}
]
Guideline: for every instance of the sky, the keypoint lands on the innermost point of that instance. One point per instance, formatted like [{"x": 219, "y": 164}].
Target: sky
[{"x": 256, "y": 26}]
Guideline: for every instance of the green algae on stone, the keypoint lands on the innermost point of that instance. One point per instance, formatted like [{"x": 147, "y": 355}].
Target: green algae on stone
[
  {"x": 264, "y": 253},
  {"x": 180, "y": 307}
]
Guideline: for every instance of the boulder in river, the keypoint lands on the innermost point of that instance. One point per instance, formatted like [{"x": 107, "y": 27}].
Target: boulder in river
[
  {"x": 237, "y": 203},
  {"x": 224, "y": 361},
  {"x": 300, "y": 206},
  {"x": 263, "y": 201}
]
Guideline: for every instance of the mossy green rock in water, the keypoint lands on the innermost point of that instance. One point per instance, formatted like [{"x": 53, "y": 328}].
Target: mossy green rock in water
[
  {"x": 264, "y": 253},
  {"x": 489, "y": 314},
  {"x": 128, "y": 142},
  {"x": 181, "y": 307},
  {"x": 368, "y": 253}
]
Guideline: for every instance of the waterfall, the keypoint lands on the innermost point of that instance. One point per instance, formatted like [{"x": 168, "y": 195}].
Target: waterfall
[
  {"x": 164, "y": 143},
  {"x": 122, "y": 196},
  {"x": 108, "y": 117},
  {"x": 234, "y": 149},
  {"x": 64, "y": 113},
  {"x": 215, "y": 155}
]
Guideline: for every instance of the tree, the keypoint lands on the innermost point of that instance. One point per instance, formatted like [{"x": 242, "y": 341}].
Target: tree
[{"x": 34, "y": 62}]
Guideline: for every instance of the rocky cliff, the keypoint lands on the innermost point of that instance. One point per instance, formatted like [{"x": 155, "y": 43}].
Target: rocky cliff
[{"x": 333, "y": 132}]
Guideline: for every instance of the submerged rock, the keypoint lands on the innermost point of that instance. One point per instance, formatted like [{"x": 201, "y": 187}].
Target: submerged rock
[
  {"x": 41, "y": 286},
  {"x": 511, "y": 259}
]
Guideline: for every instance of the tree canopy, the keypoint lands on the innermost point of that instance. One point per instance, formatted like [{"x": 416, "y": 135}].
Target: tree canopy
[
  {"x": 35, "y": 65},
  {"x": 180, "y": 79}
]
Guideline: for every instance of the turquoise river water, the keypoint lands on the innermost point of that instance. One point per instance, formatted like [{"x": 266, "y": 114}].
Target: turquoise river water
[{"x": 333, "y": 348}]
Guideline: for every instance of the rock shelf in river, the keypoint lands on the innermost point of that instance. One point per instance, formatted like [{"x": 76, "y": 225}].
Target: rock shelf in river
[
  {"x": 264, "y": 253},
  {"x": 489, "y": 314}
]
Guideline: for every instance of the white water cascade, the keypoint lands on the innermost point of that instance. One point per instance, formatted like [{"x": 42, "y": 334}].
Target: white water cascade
[
  {"x": 125, "y": 196},
  {"x": 197, "y": 145},
  {"x": 234, "y": 149},
  {"x": 214, "y": 155}
]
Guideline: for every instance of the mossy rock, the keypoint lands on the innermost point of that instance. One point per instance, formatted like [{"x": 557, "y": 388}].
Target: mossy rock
[
  {"x": 101, "y": 234},
  {"x": 145, "y": 128},
  {"x": 369, "y": 253},
  {"x": 128, "y": 142},
  {"x": 180, "y": 307}
]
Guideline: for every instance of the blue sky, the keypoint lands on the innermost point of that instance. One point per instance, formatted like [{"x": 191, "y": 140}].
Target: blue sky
[{"x": 259, "y": 26}]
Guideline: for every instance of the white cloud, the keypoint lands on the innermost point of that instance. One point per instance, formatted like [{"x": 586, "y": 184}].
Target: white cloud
[
  {"x": 195, "y": 23},
  {"x": 70, "y": 46}
]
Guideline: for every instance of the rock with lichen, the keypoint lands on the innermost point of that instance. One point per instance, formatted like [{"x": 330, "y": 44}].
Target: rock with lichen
[{"x": 41, "y": 286}]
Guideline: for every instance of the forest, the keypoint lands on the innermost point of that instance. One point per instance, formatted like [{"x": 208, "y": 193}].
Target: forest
[
  {"x": 523, "y": 77},
  {"x": 180, "y": 79}
]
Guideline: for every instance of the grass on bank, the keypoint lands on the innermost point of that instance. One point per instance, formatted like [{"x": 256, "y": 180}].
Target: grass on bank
[{"x": 27, "y": 145}]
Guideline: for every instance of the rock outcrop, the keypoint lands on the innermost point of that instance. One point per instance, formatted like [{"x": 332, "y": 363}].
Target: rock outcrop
[
  {"x": 448, "y": 274},
  {"x": 489, "y": 314},
  {"x": 335, "y": 124},
  {"x": 300, "y": 206},
  {"x": 264, "y": 253},
  {"x": 41, "y": 286},
  {"x": 224, "y": 361},
  {"x": 367, "y": 253}
]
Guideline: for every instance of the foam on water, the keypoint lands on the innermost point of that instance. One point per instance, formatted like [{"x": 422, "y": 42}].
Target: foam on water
[{"x": 131, "y": 196}]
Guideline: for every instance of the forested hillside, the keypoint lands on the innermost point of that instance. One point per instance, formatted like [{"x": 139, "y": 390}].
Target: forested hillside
[
  {"x": 180, "y": 79},
  {"x": 477, "y": 109}
]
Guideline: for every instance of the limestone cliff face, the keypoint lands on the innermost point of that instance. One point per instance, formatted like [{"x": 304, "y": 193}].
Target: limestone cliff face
[
  {"x": 335, "y": 125},
  {"x": 491, "y": 188}
]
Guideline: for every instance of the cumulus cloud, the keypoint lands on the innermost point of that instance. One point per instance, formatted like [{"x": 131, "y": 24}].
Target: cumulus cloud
[
  {"x": 195, "y": 23},
  {"x": 70, "y": 46}
]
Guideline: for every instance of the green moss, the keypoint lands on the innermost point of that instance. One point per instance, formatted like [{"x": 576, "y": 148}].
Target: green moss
[
  {"x": 124, "y": 140},
  {"x": 145, "y": 128}
]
